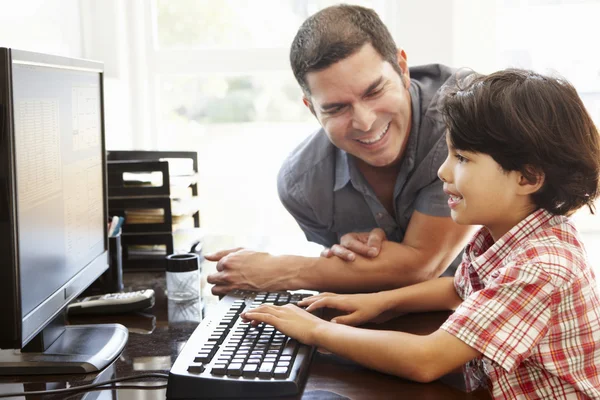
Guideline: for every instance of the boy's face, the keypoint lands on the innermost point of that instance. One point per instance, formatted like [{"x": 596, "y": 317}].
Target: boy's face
[
  {"x": 482, "y": 193},
  {"x": 363, "y": 106}
]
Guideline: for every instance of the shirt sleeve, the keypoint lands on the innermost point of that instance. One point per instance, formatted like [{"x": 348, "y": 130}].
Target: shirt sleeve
[
  {"x": 508, "y": 318},
  {"x": 294, "y": 201},
  {"x": 432, "y": 200}
]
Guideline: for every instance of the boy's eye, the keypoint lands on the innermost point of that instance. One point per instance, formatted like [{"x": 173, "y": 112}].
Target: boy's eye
[{"x": 460, "y": 158}]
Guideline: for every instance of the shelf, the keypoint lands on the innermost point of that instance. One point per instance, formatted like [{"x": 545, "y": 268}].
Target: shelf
[{"x": 154, "y": 202}]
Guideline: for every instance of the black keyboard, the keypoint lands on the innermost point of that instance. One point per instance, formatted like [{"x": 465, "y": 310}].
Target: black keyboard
[{"x": 228, "y": 358}]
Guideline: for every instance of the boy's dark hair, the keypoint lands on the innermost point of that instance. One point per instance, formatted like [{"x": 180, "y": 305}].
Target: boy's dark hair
[
  {"x": 335, "y": 33},
  {"x": 530, "y": 123}
]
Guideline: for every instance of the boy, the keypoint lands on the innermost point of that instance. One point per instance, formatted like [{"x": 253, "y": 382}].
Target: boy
[{"x": 523, "y": 155}]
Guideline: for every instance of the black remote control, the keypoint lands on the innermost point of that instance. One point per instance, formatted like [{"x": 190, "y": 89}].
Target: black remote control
[{"x": 113, "y": 303}]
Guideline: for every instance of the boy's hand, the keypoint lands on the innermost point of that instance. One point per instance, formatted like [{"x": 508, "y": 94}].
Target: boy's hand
[
  {"x": 366, "y": 244},
  {"x": 289, "y": 319},
  {"x": 360, "y": 308}
]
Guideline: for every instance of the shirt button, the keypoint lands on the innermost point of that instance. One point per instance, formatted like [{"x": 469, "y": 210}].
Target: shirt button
[{"x": 379, "y": 215}]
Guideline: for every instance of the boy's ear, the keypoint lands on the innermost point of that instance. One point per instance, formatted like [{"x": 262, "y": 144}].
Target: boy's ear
[{"x": 531, "y": 180}]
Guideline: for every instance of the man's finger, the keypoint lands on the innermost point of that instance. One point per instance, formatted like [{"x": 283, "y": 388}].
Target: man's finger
[
  {"x": 221, "y": 290},
  {"x": 355, "y": 246},
  {"x": 220, "y": 254},
  {"x": 343, "y": 253},
  {"x": 376, "y": 237},
  {"x": 327, "y": 253}
]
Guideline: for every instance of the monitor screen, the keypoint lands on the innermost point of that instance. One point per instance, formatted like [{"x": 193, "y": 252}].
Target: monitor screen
[
  {"x": 53, "y": 185},
  {"x": 59, "y": 175}
]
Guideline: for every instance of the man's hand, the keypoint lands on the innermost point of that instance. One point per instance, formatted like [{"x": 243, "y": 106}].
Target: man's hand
[
  {"x": 289, "y": 320},
  {"x": 245, "y": 269},
  {"x": 360, "y": 308},
  {"x": 367, "y": 244}
]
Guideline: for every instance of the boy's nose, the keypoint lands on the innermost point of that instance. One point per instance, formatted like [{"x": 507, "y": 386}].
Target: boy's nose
[{"x": 444, "y": 171}]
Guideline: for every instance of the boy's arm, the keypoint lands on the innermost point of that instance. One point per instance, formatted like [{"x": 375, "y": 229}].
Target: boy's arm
[
  {"x": 429, "y": 246},
  {"x": 419, "y": 358},
  {"x": 433, "y": 295}
]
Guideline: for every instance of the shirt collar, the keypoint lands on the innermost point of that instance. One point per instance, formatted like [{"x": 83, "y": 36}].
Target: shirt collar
[
  {"x": 345, "y": 166},
  {"x": 486, "y": 256},
  {"x": 342, "y": 169}
]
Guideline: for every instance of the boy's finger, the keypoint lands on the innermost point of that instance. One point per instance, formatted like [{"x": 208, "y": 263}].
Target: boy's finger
[
  {"x": 350, "y": 319},
  {"x": 311, "y": 299},
  {"x": 320, "y": 303}
]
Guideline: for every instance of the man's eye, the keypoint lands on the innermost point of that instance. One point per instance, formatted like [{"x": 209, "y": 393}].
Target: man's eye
[
  {"x": 375, "y": 93},
  {"x": 333, "y": 111}
]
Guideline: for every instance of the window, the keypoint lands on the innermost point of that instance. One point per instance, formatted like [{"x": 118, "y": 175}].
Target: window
[
  {"x": 219, "y": 82},
  {"x": 553, "y": 36},
  {"x": 215, "y": 77}
]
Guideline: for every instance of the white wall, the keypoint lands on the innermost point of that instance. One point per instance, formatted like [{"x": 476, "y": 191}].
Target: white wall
[
  {"x": 105, "y": 36},
  {"x": 425, "y": 39},
  {"x": 40, "y": 25},
  {"x": 92, "y": 29}
]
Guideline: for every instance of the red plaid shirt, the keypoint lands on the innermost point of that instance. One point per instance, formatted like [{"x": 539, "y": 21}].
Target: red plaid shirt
[{"x": 532, "y": 308}]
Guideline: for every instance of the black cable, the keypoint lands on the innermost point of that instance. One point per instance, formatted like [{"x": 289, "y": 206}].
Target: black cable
[
  {"x": 118, "y": 387},
  {"x": 95, "y": 386}
]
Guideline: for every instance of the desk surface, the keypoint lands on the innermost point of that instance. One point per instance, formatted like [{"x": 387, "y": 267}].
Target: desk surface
[{"x": 157, "y": 336}]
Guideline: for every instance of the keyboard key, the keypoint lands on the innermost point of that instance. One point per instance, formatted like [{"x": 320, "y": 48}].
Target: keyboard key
[
  {"x": 250, "y": 370},
  {"x": 265, "y": 369},
  {"x": 234, "y": 369},
  {"x": 196, "y": 368},
  {"x": 280, "y": 372},
  {"x": 219, "y": 369}
]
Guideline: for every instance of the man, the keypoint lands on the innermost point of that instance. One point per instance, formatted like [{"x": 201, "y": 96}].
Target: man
[{"x": 372, "y": 165}]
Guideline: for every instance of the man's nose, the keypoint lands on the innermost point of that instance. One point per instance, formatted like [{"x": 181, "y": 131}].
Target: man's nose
[{"x": 363, "y": 118}]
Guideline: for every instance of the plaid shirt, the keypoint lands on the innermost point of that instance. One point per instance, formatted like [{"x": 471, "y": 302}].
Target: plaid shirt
[{"x": 532, "y": 308}]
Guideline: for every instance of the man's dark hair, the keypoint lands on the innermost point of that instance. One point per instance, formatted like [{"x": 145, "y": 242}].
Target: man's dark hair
[
  {"x": 335, "y": 33},
  {"x": 530, "y": 123}
]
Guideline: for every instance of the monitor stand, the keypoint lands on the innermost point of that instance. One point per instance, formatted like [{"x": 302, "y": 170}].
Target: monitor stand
[{"x": 73, "y": 349}]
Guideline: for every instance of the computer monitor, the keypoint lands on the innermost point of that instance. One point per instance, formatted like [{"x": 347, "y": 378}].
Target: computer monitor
[{"x": 53, "y": 213}]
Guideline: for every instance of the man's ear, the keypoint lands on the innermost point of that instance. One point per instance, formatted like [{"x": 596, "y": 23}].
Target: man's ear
[
  {"x": 403, "y": 64},
  {"x": 530, "y": 182},
  {"x": 308, "y": 104}
]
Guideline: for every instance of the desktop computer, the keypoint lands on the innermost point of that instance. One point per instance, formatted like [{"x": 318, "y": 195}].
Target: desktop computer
[{"x": 53, "y": 213}]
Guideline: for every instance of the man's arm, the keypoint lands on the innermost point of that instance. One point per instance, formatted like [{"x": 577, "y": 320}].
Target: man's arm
[{"x": 430, "y": 244}]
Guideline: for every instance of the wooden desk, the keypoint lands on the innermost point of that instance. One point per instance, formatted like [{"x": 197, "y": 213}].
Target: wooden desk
[{"x": 157, "y": 336}]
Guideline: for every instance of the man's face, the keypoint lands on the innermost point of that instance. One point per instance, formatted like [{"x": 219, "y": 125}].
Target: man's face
[{"x": 363, "y": 106}]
